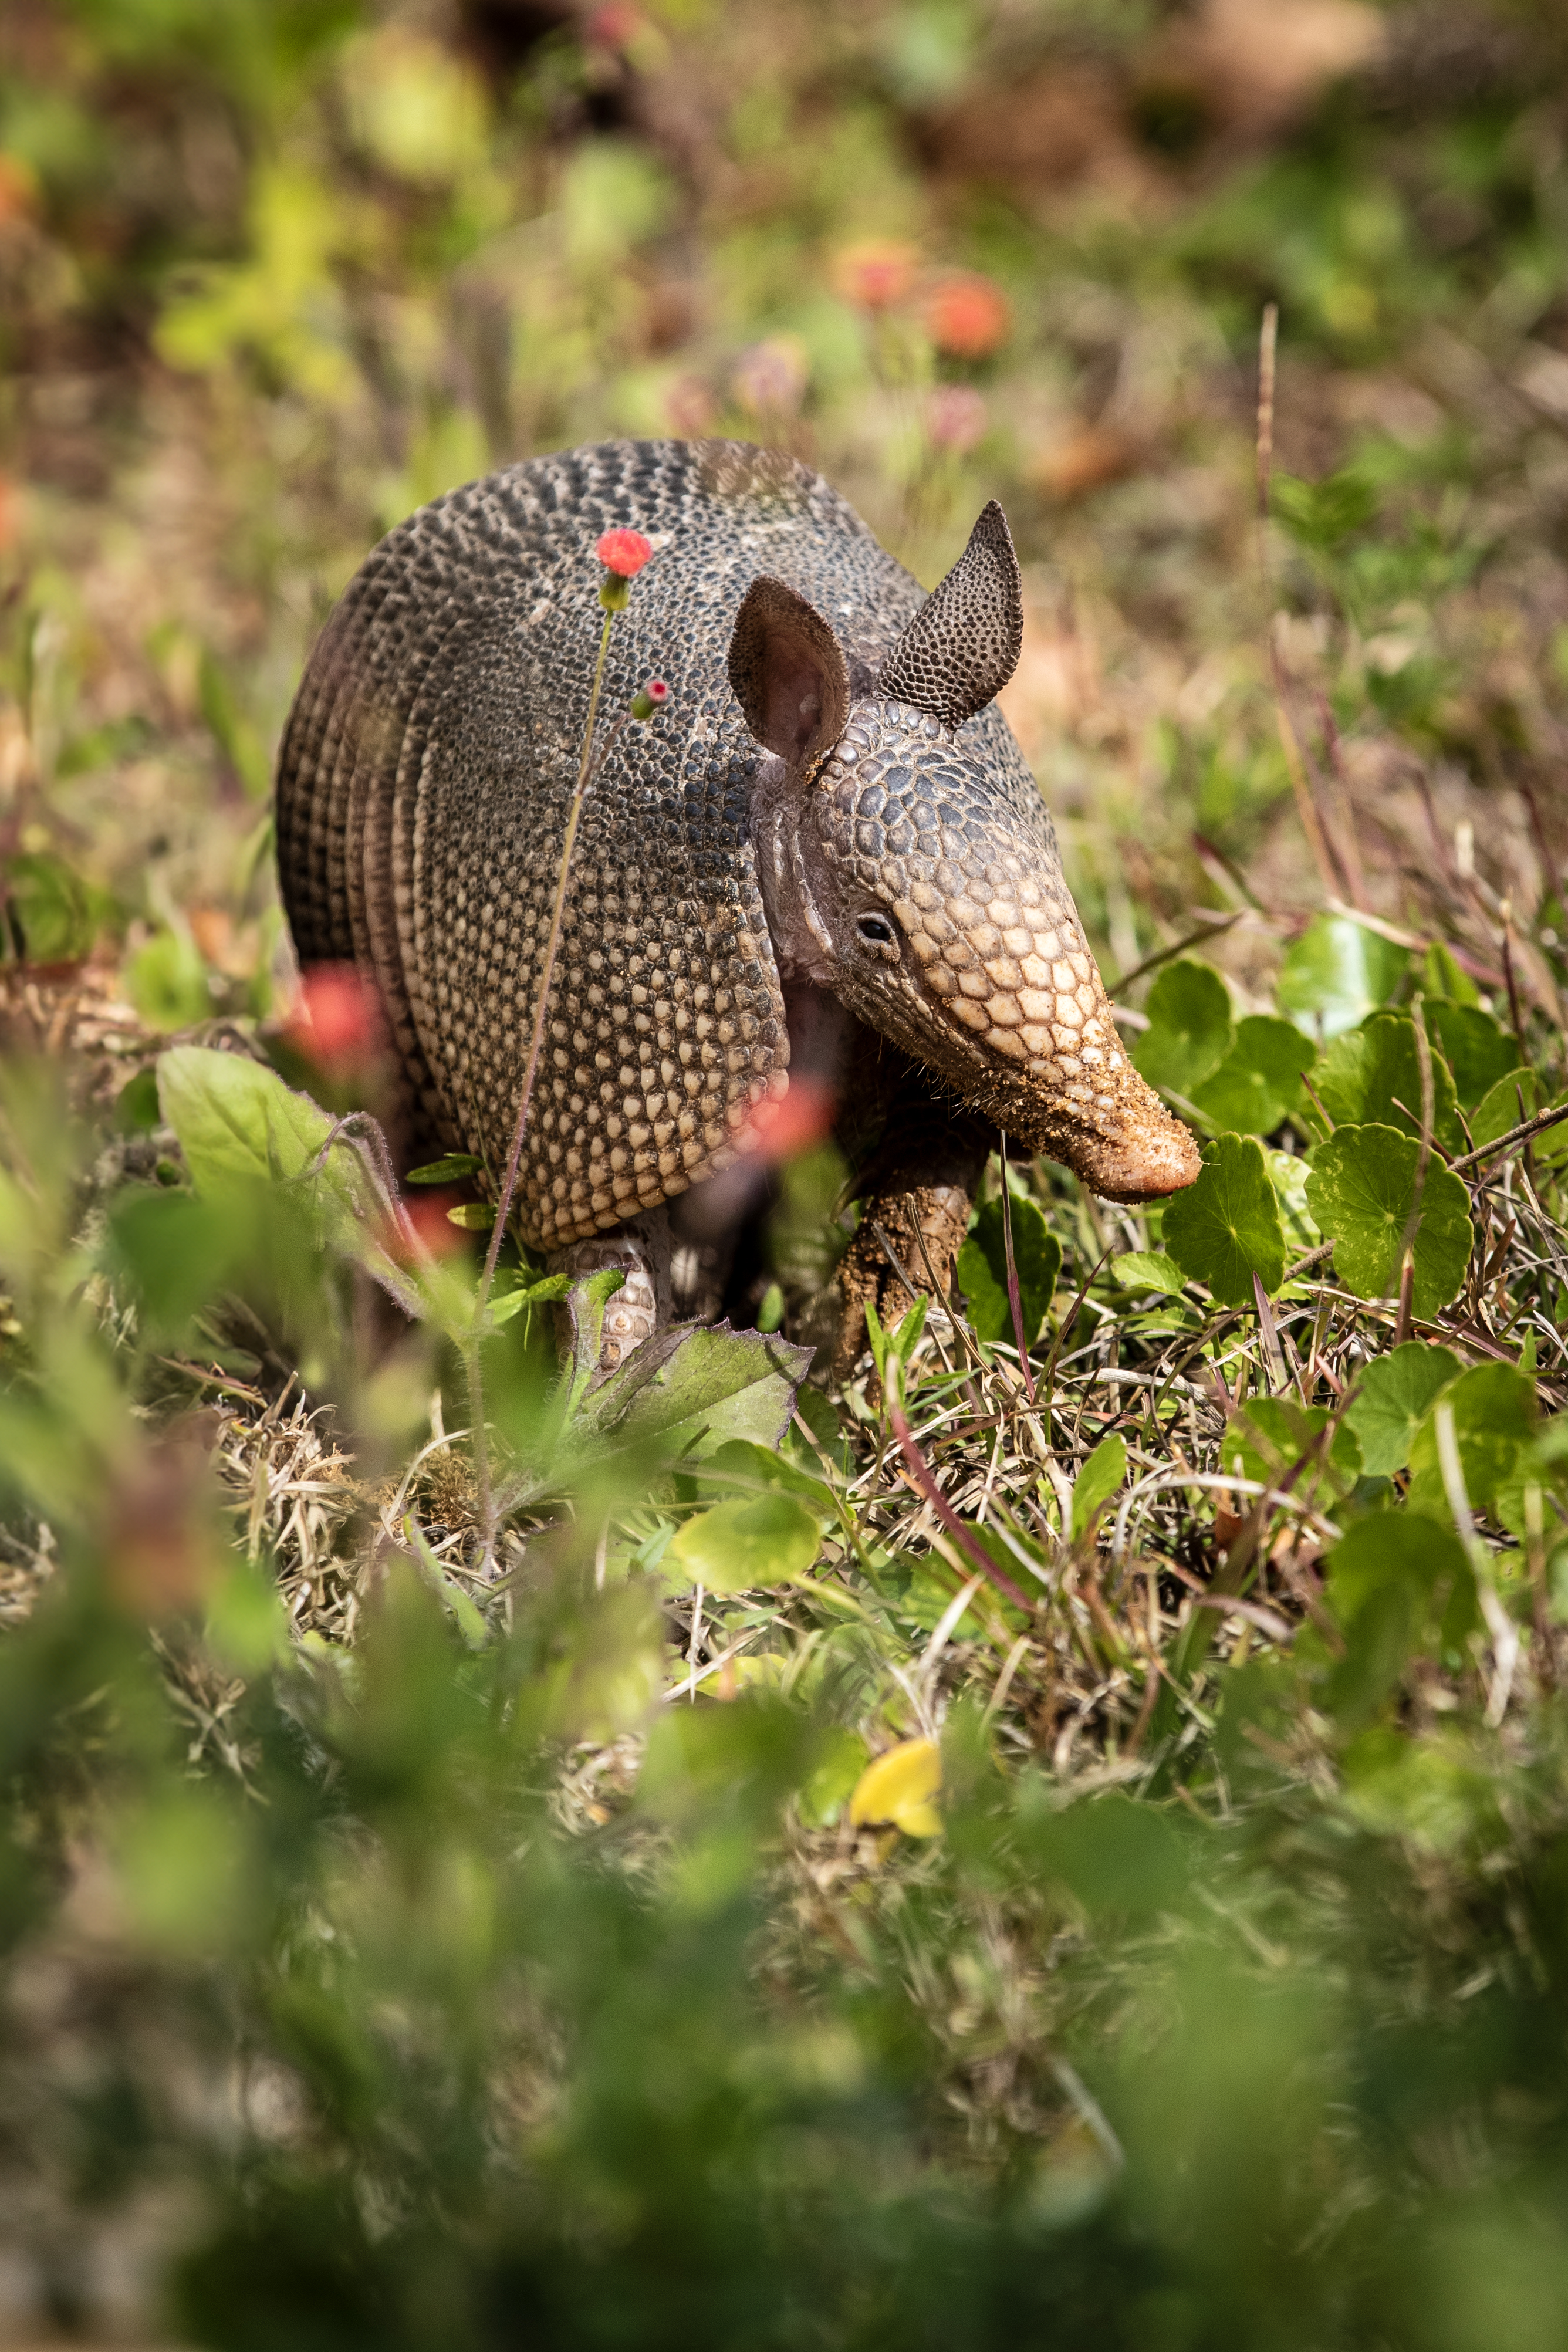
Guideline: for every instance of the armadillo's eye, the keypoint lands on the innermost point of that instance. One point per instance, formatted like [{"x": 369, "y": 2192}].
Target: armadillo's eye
[{"x": 877, "y": 928}]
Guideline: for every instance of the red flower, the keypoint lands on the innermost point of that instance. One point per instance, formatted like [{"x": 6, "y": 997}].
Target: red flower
[
  {"x": 427, "y": 1213},
  {"x": 968, "y": 318},
  {"x": 792, "y": 1122},
  {"x": 338, "y": 1021},
  {"x": 875, "y": 274},
  {"x": 657, "y": 691},
  {"x": 624, "y": 553}
]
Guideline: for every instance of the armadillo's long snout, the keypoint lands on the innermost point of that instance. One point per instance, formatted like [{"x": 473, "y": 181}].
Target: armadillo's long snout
[{"x": 1152, "y": 1155}]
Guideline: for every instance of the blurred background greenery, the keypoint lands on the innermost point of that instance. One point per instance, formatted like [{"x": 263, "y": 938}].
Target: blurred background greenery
[{"x": 397, "y": 1955}]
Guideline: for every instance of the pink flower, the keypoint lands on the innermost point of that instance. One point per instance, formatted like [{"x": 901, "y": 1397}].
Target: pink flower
[
  {"x": 624, "y": 553},
  {"x": 338, "y": 1022},
  {"x": 968, "y": 318},
  {"x": 651, "y": 696},
  {"x": 957, "y": 419},
  {"x": 770, "y": 378}
]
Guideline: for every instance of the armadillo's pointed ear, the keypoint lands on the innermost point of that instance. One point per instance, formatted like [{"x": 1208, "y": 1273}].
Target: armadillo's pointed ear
[
  {"x": 963, "y": 646},
  {"x": 788, "y": 673}
]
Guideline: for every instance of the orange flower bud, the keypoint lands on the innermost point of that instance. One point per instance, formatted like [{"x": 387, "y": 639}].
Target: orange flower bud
[{"x": 968, "y": 318}]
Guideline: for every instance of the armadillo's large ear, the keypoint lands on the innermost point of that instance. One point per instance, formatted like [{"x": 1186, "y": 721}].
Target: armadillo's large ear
[
  {"x": 963, "y": 646},
  {"x": 788, "y": 673}
]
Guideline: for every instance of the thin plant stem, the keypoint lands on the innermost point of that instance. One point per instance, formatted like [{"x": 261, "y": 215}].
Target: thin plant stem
[
  {"x": 1014, "y": 1295},
  {"x": 525, "y": 1103}
]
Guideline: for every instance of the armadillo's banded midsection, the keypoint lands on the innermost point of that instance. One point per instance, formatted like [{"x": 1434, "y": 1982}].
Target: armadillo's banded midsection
[{"x": 423, "y": 786}]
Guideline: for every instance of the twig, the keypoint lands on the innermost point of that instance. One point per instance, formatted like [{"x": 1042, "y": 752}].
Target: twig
[{"x": 1526, "y": 1130}]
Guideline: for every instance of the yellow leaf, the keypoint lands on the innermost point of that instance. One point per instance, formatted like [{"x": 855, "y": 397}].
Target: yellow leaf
[{"x": 901, "y": 1787}]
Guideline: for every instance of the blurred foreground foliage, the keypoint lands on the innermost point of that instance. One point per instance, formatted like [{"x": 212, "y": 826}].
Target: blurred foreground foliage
[{"x": 1066, "y": 1841}]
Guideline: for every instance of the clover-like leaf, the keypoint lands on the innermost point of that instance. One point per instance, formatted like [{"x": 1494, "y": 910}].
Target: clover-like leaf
[
  {"x": 1189, "y": 1033},
  {"x": 1226, "y": 1228},
  {"x": 1336, "y": 973},
  {"x": 1097, "y": 1482},
  {"x": 1373, "y": 1076},
  {"x": 983, "y": 1269},
  {"x": 1362, "y": 1190},
  {"x": 764, "y": 1539},
  {"x": 1258, "y": 1083},
  {"x": 1392, "y": 1402}
]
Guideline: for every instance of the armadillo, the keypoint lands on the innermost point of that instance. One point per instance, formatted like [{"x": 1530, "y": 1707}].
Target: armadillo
[{"x": 829, "y": 858}]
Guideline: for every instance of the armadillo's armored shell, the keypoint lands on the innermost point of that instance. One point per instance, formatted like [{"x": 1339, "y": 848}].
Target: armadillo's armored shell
[{"x": 424, "y": 785}]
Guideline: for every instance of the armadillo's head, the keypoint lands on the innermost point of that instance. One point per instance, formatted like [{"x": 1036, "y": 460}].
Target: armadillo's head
[{"x": 907, "y": 873}]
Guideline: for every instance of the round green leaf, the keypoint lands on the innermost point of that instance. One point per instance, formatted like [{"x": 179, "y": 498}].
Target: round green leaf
[
  {"x": 766, "y": 1540},
  {"x": 1148, "y": 1270},
  {"x": 1361, "y": 1189},
  {"x": 1493, "y": 1407},
  {"x": 1395, "y": 1392},
  {"x": 1189, "y": 1031},
  {"x": 1476, "y": 1049},
  {"x": 1258, "y": 1083},
  {"x": 1374, "y": 1074},
  {"x": 1226, "y": 1228},
  {"x": 1338, "y": 972}
]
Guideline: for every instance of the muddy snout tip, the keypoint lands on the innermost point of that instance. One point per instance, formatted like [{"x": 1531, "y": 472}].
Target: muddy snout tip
[{"x": 1144, "y": 1165}]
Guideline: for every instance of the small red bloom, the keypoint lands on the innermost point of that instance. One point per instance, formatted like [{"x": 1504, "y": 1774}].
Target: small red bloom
[
  {"x": 968, "y": 318},
  {"x": 876, "y": 273},
  {"x": 337, "y": 1020},
  {"x": 656, "y": 690},
  {"x": 624, "y": 553},
  {"x": 427, "y": 1213},
  {"x": 792, "y": 1122}
]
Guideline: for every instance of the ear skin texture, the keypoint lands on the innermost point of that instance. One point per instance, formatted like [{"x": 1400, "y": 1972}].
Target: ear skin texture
[
  {"x": 788, "y": 673},
  {"x": 963, "y": 644}
]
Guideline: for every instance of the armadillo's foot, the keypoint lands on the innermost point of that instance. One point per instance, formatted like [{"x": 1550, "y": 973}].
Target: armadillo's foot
[
  {"x": 641, "y": 1251},
  {"x": 905, "y": 1243}
]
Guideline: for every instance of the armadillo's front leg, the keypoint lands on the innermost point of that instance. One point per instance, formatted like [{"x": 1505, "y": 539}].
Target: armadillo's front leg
[
  {"x": 919, "y": 1190},
  {"x": 640, "y": 1249}
]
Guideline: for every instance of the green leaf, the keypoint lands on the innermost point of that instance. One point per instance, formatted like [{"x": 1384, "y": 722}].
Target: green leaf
[
  {"x": 1148, "y": 1270},
  {"x": 1389, "y": 1406},
  {"x": 1445, "y": 981},
  {"x": 739, "y": 1461},
  {"x": 1395, "y": 1581},
  {"x": 1270, "y": 1435},
  {"x": 1372, "y": 1074},
  {"x": 1097, "y": 1482},
  {"x": 527, "y": 1294},
  {"x": 1336, "y": 973},
  {"x": 238, "y": 1124},
  {"x": 1361, "y": 1189},
  {"x": 452, "y": 1167},
  {"x": 1321, "y": 514},
  {"x": 1226, "y": 1228},
  {"x": 474, "y": 1216},
  {"x": 57, "y": 914},
  {"x": 983, "y": 1270},
  {"x": 1493, "y": 1407},
  {"x": 1476, "y": 1049},
  {"x": 899, "y": 1342},
  {"x": 1189, "y": 1033},
  {"x": 1288, "y": 1174},
  {"x": 166, "y": 981},
  {"x": 1507, "y": 1104},
  {"x": 1258, "y": 1083},
  {"x": 767, "y": 1539},
  {"x": 685, "y": 1395}
]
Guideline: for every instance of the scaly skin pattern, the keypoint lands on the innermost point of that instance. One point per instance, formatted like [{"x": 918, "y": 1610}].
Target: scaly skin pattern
[{"x": 422, "y": 798}]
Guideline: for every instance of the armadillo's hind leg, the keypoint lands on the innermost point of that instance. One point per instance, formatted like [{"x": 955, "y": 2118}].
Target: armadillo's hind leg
[{"x": 640, "y": 1250}]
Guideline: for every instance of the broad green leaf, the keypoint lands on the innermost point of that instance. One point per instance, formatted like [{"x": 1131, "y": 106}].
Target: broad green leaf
[
  {"x": 1493, "y": 1407},
  {"x": 901, "y": 1787},
  {"x": 1362, "y": 1190},
  {"x": 983, "y": 1270},
  {"x": 238, "y": 1124},
  {"x": 684, "y": 1394},
  {"x": 166, "y": 981},
  {"x": 834, "y": 1779},
  {"x": 1396, "y": 1581},
  {"x": 1097, "y": 1482},
  {"x": 1270, "y": 1435},
  {"x": 1445, "y": 981},
  {"x": 739, "y": 1462},
  {"x": 1336, "y": 973},
  {"x": 1258, "y": 1083},
  {"x": 1392, "y": 1402},
  {"x": 452, "y": 1167},
  {"x": 766, "y": 1539},
  {"x": 1148, "y": 1270},
  {"x": 1189, "y": 1033},
  {"x": 1476, "y": 1049},
  {"x": 1114, "y": 1853},
  {"x": 1373, "y": 1076},
  {"x": 1226, "y": 1228}
]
